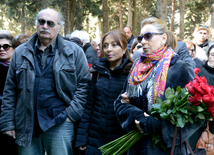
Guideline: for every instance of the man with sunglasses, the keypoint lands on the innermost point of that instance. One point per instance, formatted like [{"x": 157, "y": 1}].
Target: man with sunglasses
[{"x": 45, "y": 91}]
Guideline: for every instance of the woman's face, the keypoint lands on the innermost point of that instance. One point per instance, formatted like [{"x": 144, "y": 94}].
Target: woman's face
[
  {"x": 113, "y": 52},
  {"x": 6, "y": 54},
  {"x": 211, "y": 56},
  {"x": 202, "y": 35},
  {"x": 192, "y": 51},
  {"x": 156, "y": 42}
]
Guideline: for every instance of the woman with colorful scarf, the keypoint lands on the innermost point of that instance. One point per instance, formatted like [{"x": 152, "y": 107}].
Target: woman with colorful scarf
[
  {"x": 7, "y": 46},
  {"x": 157, "y": 69}
]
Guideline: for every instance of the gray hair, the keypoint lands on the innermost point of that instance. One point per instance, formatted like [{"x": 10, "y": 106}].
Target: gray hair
[
  {"x": 59, "y": 19},
  {"x": 82, "y": 35}
]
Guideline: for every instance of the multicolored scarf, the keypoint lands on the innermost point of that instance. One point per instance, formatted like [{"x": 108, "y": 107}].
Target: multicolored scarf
[
  {"x": 146, "y": 64},
  {"x": 5, "y": 63}
]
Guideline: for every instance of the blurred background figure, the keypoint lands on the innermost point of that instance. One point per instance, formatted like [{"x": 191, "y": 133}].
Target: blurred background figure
[
  {"x": 135, "y": 46},
  {"x": 22, "y": 38},
  {"x": 191, "y": 47},
  {"x": 7, "y": 46},
  {"x": 201, "y": 35},
  {"x": 129, "y": 36},
  {"x": 4, "y": 32},
  {"x": 94, "y": 44}
]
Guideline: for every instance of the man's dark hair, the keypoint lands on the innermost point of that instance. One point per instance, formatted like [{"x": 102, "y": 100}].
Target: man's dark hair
[{"x": 128, "y": 27}]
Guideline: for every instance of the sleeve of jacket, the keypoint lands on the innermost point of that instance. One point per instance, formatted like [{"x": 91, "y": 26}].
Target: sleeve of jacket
[
  {"x": 77, "y": 105},
  {"x": 184, "y": 55},
  {"x": 91, "y": 55},
  {"x": 83, "y": 128},
  {"x": 9, "y": 99},
  {"x": 126, "y": 113}
]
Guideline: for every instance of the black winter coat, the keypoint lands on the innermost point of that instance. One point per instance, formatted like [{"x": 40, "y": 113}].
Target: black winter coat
[{"x": 99, "y": 124}]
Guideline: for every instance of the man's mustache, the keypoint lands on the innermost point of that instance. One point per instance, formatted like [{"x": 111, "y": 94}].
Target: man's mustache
[{"x": 43, "y": 30}]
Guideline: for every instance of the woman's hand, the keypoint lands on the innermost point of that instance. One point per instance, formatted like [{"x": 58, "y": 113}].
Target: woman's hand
[
  {"x": 125, "y": 98},
  {"x": 11, "y": 133},
  {"x": 82, "y": 148},
  {"x": 138, "y": 123}
]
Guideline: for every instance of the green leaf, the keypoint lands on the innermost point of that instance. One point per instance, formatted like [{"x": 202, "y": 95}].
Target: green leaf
[
  {"x": 169, "y": 111},
  {"x": 183, "y": 110},
  {"x": 200, "y": 109},
  {"x": 178, "y": 90},
  {"x": 184, "y": 92},
  {"x": 191, "y": 120},
  {"x": 181, "y": 121},
  {"x": 191, "y": 109},
  {"x": 201, "y": 116},
  {"x": 172, "y": 119},
  {"x": 164, "y": 115},
  {"x": 169, "y": 93},
  {"x": 159, "y": 100}
]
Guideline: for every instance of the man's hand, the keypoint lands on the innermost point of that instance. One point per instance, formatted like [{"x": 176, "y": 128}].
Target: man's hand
[
  {"x": 125, "y": 98},
  {"x": 11, "y": 133}
]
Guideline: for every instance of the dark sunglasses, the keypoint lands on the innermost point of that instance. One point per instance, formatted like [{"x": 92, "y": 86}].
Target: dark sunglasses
[
  {"x": 139, "y": 46},
  {"x": 205, "y": 26},
  {"x": 51, "y": 24},
  {"x": 147, "y": 36},
  {"x": 6, "y": 47}
]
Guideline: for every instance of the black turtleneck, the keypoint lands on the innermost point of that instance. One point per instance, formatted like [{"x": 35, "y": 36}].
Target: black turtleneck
[{"x": 208, "y": 73}]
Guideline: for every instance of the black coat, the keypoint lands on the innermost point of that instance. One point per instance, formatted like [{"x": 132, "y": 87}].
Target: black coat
[
  {"x": 179, "y": 74},
  {"x": 99, "y": 124},
  {"x": 3, "y": 70},
  {"x": 90, "y": 53}
]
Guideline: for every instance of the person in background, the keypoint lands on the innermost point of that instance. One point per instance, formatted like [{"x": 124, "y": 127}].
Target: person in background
[
  {"x": 207, "y": 70},
  {"x": 7, "y": 46},
  {"x": 46, "y": 90},
  {"x": 22, "y": 38},
  {"x": 90, "y": 52},
  {"x": 129, "y": 36},
  {"x": 94, "y": 44},
  {"x": 99, "y": 124},
  {"x": 4, "y": 32},
  {"x": 191, "y": 47},
  {"x": 201, "y": 39},
  {"x": 157, "y": 69},
  {"x": 135, "y": 46}
]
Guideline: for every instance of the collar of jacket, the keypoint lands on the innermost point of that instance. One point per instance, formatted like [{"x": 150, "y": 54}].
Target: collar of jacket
[
  {"x": 102, "y": 66},
  {"x": 60, "y": 44},
  {"x": 86, "y": 46},
  {"x": 132, "y": 37}
]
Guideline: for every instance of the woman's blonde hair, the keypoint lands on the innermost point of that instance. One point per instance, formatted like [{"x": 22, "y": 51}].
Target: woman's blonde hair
[{"x": 162, "y": 28}]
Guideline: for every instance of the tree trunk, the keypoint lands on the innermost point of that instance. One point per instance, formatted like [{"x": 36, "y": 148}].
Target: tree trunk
[
  {"x": 105, "y": 16},
  {"x": 130, "y": 14},
  {"x": 182, "y": 12},
  {"x": 173, "y": 15},
  {"x": 66, "y": 17},
  {"x": 23, "y": 21},
  {"x": 79, "y": 15},
  {"x": 72, "y": 14},
  {"x": 134, "y": 26},
  {"x": 121, "y": 16},
  {"x": 212, "y": 17},
  {"x": 161, "y": 10}
]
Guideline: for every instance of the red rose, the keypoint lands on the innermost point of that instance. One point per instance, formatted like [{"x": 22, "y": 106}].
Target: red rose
[
  {"x": 211, "y": 110},
  {"x": 206, "y": 88},
  {"x": 207, "y": 98},
  {"x": 191, "y": 89},
  {"x": 193, "y": 101},
  {"x": 204, "y": 79},
  {"x": 196, "y": 70},
  {"x": 199, "y": 89}
]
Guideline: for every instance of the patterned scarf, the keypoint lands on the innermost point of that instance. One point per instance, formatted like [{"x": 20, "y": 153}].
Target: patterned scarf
[
  {"x": 5, "y": 63},
  {"x": 146, "y": 64}
]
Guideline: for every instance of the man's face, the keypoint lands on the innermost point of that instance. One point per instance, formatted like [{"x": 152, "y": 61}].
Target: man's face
[
  {"x": 128, "y": 32},
  {"x": 94, "y": 45},
  {"x": 45, "y": 28}
]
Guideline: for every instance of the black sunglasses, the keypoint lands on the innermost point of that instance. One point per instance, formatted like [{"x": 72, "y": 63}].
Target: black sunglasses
[
  {"x": 139, "y": 46},
  {"x": 51, "y": 24},
  {"x": 205, "y": 26},
  {"x": 147, "y": 36},
  {"x": 6, "y": 47}
]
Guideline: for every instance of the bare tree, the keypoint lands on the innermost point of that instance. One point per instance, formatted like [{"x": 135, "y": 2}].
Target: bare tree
[
  {"x": 72, "y": 14},
  {"x": 182, "y": 12},
  {"x": 105, "y": 16},
  {"x": 212, "y": 16},
  {"x": 173, "y": 15},
  {"x": 121, "y": 16},
  {"x": 130, "y": 14},
  {"x": 161, "y": 10}
]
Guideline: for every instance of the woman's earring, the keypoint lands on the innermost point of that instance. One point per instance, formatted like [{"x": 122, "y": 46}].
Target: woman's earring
[{"x": 124, "y": 52}]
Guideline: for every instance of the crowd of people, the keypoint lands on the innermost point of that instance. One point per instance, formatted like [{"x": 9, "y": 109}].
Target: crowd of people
[{"x": 70, "y": 95}]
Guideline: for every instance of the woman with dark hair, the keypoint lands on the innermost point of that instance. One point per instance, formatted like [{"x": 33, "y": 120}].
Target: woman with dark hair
[
  {"x": 99, "y": 124},
  {"x": 158, "y": 68},
  {"x": 7, "y": 46}
]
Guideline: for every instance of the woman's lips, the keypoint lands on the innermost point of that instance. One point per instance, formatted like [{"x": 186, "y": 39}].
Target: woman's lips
[
  {"x": 2, "y": 54},
  {"x": 110, "y": 55}
]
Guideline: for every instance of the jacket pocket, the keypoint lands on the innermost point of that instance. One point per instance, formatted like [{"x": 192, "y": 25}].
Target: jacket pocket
[
  {"x": 67, "y": 75},
  {"x": 21, "y": 75}
]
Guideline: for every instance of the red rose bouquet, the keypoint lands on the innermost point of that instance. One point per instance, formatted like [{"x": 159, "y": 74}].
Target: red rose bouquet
[{"x": 190, "y": 104}]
